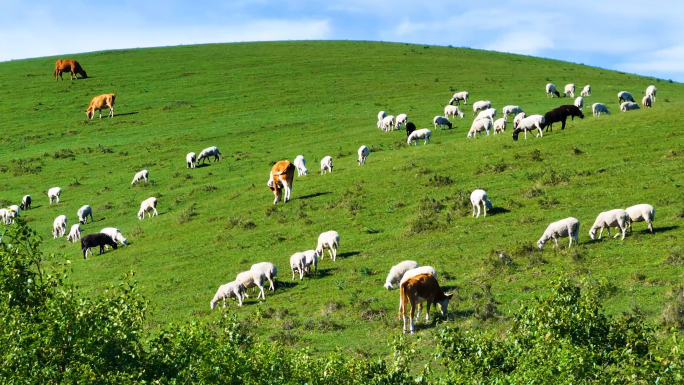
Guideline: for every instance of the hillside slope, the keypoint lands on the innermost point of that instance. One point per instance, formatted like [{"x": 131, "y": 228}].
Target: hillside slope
[{"x": 264, "y": 102}]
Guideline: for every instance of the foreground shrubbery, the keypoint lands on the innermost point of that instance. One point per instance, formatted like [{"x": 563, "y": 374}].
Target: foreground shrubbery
[{"x": 50, "y": 334}]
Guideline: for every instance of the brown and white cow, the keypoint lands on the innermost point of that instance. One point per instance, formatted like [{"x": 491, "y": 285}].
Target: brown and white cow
[
  {"x": 69, "y": 65},
  {"x": 99, "y": 103},
  {"x": 419, "y": 289},
  {"x": 281, "y": 179}
]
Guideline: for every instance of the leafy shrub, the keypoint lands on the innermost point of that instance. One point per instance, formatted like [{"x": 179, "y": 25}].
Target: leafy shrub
[
  {"x": 439, "y": 181},
  {"x": 187, "y": 215},
  {"x": 64, "y": 154},
  {"x": 536, "y": 155},
  {"x": 673, "y": 313}
]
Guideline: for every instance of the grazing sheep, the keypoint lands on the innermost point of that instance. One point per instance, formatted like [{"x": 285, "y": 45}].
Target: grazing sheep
[
  {"x": 7, "y": 215},
  {"x": 140, "y": 176},
  {"x": 453, "y": 111},
  {"x": 3, "y": 216},
  {"x": 388, "y": 123},
  {"x": 401, "y": 119},
  {"x": 26, "y": 202},
  {"x": 511, "y": 110},
  {"x": 329, "y": 240},
  {"x": 59, "y": 226},
  {"x": 115, "y": 234},
  {"x": 148, "y": 205},
  {"x": 207, "y": 152},
  {"x": 530, "y": 123},
  {"x": 569, "y": 89},
  {"x": 416, "y": 135},
  {"x": 641, "y": 213},
  {"x": 326, "y": 164},
  {"x": 488, "y": 113},
  {"x": 310, "y": 259},
  {"x": 13, "y": 212},
  {"x": 270, "y": 272},
  {"x": 579, "y": 102},
  {"x": 477, "y": 198},
  {"x": 551, "y": 90},
  {"x": 410, "y": 127},
  {"x": 561, "y": 114},
  {"x": 628, "y": 106},
  {"x": 397, "y": 272},
  {"x": 646, "y": 101},
  {"x": 624, "y": 96},
  {"x": 190, "y": 159},
  {"x": 479, "y": 126},
  {"x": 300, "y": 164},
  {"x": 500, "y": 126},
  {"x": 83, "y": 213},
  {"x": 442, "y": 121},
  {"x": 607, "y": 219},
  {"x": 652, "y": 91},
  {"x": 481, "y": 105},
  {"x": 518, "y": 118},
  {"x": 586, "y": 91},
  {"x": 94, "y": 240},
  {"x": 298, "y": 265},
  {"x": 74, "y": 233},
  {"x": 598, "y": 108},
  {"x": 54, "y": 194},
  {"x": 233, "y": 289},
  {"x": 252, "y": 278},
  {"x": 381, "y": 116},
  {"x": 463, "y": 95},
  {"x": 568, "y": 227},
  {"x": 363, "y": 154},
  {"x": 281, "y": 179}
]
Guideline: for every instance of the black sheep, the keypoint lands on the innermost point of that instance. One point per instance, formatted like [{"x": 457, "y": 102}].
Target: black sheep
[
  {"x": 410, "y": 127},
  {"x": 561, "y": 114},
  {"x": 26, "y": 203},
  {"x": 94, "y": 240}
]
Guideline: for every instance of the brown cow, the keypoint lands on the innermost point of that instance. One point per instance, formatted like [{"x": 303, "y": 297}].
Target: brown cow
[
  {"x": 419, "y": 289},
  {"x": 281, "y": 179},
  {"x": 69, "y": 65},
  {"x": 99, "y": 103}
]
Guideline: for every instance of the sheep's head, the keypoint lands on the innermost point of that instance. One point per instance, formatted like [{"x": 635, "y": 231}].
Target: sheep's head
[
  {"x": 592, "y": 233},
  {"x": 450, "y": 125},
  {"x": 141, "y": 214},
  {"x": 488, "y": 203},
  {"x": 580, "y": 114},
  {"x": 212, "y": 305},
  {"x": 462, "y": 115},
  {"x": 515, "y": 134},
  {"x": 114, "y": 245},
  {"x": 388, "y": 285},
  {"x": 540, "y": 243},
  {"x": 124, "y": 241}
]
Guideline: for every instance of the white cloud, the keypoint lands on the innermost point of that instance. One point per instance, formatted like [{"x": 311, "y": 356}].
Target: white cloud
[
  {"x": 668, "y": 60},
  {"x": 526, "y": 43}
]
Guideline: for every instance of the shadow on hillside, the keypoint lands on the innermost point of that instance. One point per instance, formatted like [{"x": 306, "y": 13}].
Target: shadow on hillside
[
  {"x": 321, "y": 273},
  {"x": 348, "y": 254},
  {"x": 315, "y": 195},
  {"x": 657, "y": 230},
  {"x": 202, "y": 165},
  {"x": 284, "y": 285},
  {"x": 457, "y": 313},
  {"x": 498, "y": 210},
  {"x": 126, "y": 114}
]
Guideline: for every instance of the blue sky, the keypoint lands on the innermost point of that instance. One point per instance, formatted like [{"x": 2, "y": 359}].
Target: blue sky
[{"x": 644, "y": 37}]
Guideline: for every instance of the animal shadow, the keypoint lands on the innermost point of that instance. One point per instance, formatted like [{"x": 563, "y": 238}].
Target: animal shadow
[
  {"x": 657, "y": 230},
  {"x": 498, "y": 210},
  {"x": 315, "y": 195},
  {"x": 127, "y": 113},
  {"x": 202, "y": 165},
  {"x": 348, "y": 254},
  {"x": 285, "y": 285},
  {"x": 321, "y": 273}
]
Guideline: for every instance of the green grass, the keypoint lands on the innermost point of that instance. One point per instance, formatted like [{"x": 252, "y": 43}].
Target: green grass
[{"x": 264, "y": 102}]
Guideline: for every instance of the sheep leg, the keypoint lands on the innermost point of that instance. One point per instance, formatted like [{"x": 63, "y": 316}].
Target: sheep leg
[
  {"x": 261, "y": 290},
  {"x": 473, "y": 210},
  {"x": 601, "y": 233},
  {"x": 293, "y": 273},
  {"x": 155, "y": 212},
  {"x": 555, "y": 240},
  {"x": 484, "y": 209},
  {"x": 650, "y": 227}
]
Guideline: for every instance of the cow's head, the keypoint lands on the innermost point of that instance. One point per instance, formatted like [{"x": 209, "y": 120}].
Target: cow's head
[
  {"x": 443, "y": 305},
  {"x": 580, "y": 114},
  {"x": 88, "y": 111},
  {"x": 83, "y": 73}
]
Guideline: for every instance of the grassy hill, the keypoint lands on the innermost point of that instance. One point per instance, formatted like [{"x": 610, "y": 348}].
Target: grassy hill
[{"x": 264, "y": 102}]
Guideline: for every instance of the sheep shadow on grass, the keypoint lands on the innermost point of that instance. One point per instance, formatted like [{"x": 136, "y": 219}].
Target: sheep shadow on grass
[
  {"x": 657, "y": 230},
  {"x": 202, "y": 165},
  {"x": 348, "y": 254},
  {"x": 315, "y": 195},
  {"x": 321, "y": 273},
  {"x": 498, "y": 210},
  {"x": 285, "y": 285}
]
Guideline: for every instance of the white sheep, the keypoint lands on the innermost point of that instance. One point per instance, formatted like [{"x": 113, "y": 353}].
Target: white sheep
[
  {"x": 641, "y": 213},
  {"x": 207, "y": 152},
  {"x": 83, "y": 213},
  {"x": 363, "y": 154},
  {"x": 11, "y": 214},
  {"x": 598, "y": 108},
  {"x": 481, "y": 105},
  {"x": 54, "y": 194},
  {"x": 652, "y": 91},
  {"x": 397, "y": 272},
  {"x": 148, "y": 205},
  {"x": 579, "y": 102},
  {"x": 326, "y": 164},
  {"x": 500, "y": 126},
  {"x": 569, "y": 89},
  {"x": 116, "y": 236},
  {"x": 310, "y": 259},
  {"x": 463, "y": 95},
  {"x": 586, "y": 91},
  {"x": 298, "y": 265},
  {"x": 415, "y": 136},
  {"x": 329, "y": 240},
  {"x": 628, "y": 106},
  {"x": 270, "y": 272},
  {"x": 190, "y": 159},
  {"x": 252, "y": 278},
  {"x": 607, "y": 219},
  {"x": 140, "y": 176},
  {"x": 26, "y": 202},
  {"x": 381, "y": 116},
  {"x": 479, "y": 126},
  {"x": 518, "y": 118},
  {"x": 488, "y": 113},
  {"x": 3, "y": 215},
  {"x": 453, "y": 111},
  {"x": 624, "y": 96},
  {"x": 568, "y": 227},
  {"x": 59, "y": 226},
  {"x": 388, "y": 123},
  {"x": 511, "y": 110},
  {"x": 551, "y": 90},
  {"x": 442, "y": 121},
  {"x": 300, "y": 164},
  {"x": 402, "y": 119},
  {"x": 233, "y": 289},
  {"x": 74, "y": 233},
  {"x": 530, "y": 123},
  {"x": 646, "y": 101},
  {"x": 479, "y": 198}
]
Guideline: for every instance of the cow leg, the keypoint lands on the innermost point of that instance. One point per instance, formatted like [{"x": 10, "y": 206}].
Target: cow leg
[
  {"x": 101, "y": 249},
  {"x": 420, "y": 310},
  {"x": 563, "y": 124},
  {"x": 413, "y": 314},
  {"x": 111, "y": 113}
]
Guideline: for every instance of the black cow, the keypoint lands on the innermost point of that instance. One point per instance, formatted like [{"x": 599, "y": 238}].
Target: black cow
[
  {"x": 561, "y": 114},
  {"x": 94, "y": 240},
  {"x": 410, "y": 127}
]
